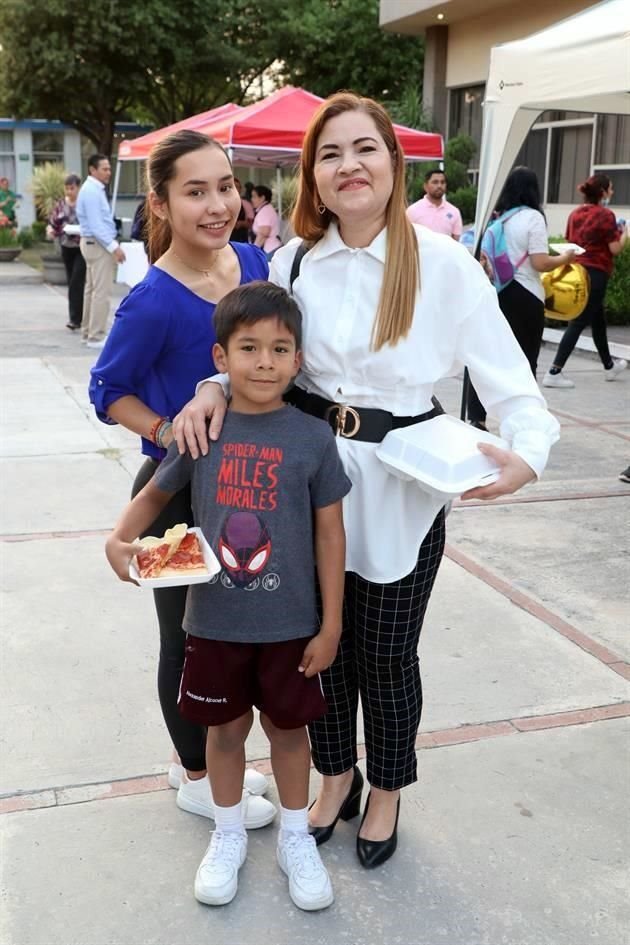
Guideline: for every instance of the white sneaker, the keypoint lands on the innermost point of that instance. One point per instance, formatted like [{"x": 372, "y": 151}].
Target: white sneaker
[
  {"x": 255, "y": 782},
  {"x": 619, "y": 365},
  {"x": 96, "y": 344},
  {"x": 216, "y": 881},
  {"x": 557, "y": 380},
  {"x": 196, "y": 798},
  {"x": 309, "y": 883}
]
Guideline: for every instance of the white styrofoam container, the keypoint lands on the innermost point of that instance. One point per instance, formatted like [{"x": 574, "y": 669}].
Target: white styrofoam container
[
  {"x": 212, "y": 564},
  {"x": 441, "y": 455}
]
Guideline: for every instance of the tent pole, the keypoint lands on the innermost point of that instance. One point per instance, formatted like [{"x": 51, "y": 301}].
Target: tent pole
[
  {"x": 279, "y": 188},
  {"x": 116, "y": 183}
]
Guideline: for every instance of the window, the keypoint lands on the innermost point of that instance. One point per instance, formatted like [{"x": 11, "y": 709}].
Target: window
[
  {"x": 47, "y": 147},
  {"x": 569, "y": 162},
  {"x": 465, "y": 114},
  {"x": 559, "y": 149},
  {"x": 7, "y": 157},
  {"x": 533, "y": 154},
  {"x": 612, "y": 152}
]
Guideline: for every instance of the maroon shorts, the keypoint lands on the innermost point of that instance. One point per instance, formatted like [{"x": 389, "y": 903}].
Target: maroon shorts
[{"x": 223, "y": 680}]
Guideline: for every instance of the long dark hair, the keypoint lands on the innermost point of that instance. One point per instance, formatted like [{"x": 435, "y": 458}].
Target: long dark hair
[
  {"x": 160, "y": 170},
  {"x": 520, "y": 190},
  {"x": 593, "y": 189}
]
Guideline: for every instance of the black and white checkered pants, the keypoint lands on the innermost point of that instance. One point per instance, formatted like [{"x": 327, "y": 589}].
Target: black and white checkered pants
[{"x": 378, "y": 660}]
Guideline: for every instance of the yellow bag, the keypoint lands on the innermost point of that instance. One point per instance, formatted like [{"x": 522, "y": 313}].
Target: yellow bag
[{"x": 566, "y": 291}]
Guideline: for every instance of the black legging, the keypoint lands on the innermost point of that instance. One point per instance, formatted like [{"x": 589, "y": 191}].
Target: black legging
[
  {"x": 525, "y": 314},
  {"x": 592, "y": 315},
  {"x": 75, "y": 270},
  {"x": 170, "y": 602}
]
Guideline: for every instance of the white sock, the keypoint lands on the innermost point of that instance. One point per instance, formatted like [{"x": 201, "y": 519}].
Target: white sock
[
  {"x": 295, "y": 821},
  {"x": 229, "y": 818}
]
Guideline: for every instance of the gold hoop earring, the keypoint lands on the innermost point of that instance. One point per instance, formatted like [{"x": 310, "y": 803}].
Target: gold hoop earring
[{"x": 321, "y": 209}]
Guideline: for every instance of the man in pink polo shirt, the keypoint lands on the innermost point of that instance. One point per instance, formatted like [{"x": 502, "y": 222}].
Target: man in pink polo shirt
[{"x": 433, "y": 210}]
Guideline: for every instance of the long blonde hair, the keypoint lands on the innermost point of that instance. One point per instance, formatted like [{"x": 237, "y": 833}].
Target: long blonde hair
[{"x": 401, "y": 280}]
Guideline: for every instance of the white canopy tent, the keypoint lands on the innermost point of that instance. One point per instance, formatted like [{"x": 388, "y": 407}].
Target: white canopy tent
[{"x": 580, "y": 64}]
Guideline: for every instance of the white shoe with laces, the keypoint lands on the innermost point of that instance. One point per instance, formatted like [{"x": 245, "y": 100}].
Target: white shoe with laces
[
  {"x": 196, "y": 798},
  {"x": 557, "y": 380},
  {"x": 254, "y": 782},
  {"x": 619, "y": 365},
  {"x": 216, "y": 881},
  {"x": 309, "y": 883}
]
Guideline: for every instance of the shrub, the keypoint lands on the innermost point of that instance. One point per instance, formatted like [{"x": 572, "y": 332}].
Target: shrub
[
  {"x": 25, "y": 237},
  {"x": 47, "y": 187},
  {"x": 617, "y": 300},
  {"x": 288, "y": 192},
  {"x": 465, "y": 199},
  {"x": 38, "y": 230}
]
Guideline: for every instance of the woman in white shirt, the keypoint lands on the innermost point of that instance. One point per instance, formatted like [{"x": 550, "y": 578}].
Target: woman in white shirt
[
  {"x": 522, "y": 301},
  {"x": 389, "y": 308}
]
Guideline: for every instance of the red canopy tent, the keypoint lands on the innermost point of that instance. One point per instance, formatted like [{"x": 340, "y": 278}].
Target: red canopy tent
[
  {"x": 137, "y": 149},
  {"x": 270, "y": 133}
]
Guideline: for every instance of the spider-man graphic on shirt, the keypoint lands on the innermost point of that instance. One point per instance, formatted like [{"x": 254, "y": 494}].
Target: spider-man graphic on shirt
[{"x": 244, "y": 547}]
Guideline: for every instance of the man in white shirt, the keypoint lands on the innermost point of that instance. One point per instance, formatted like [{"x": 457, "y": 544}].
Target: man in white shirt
[
  {"x": 433, "y": 210},
  {"x": 99, "y": 248}
]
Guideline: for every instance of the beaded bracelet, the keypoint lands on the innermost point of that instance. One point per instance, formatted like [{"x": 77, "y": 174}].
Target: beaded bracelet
[
  {"x": 162, "y": 430},
  {"x": 156, "y": 426}
]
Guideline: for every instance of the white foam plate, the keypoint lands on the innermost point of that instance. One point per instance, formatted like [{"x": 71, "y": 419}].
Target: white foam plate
[
  {"x": 212, "y": 564},
  {"x": 441, "y": 455},
  {"x": 565, "y": 247},
  {"x": 72, "y": 229}
]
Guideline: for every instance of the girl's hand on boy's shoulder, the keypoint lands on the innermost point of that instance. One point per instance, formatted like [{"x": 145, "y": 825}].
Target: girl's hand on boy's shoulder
[
  {"x": 320, "y": 653},
  {"x": 119, "y": 554}
]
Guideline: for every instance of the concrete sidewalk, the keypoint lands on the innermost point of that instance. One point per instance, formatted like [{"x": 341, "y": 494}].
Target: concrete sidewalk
[{"x": 515, "y": 834}]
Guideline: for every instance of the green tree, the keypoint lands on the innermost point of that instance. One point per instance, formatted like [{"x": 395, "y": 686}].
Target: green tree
[
  {"x": 327, "y": 45},
  {"x": 93, "y": 63}
]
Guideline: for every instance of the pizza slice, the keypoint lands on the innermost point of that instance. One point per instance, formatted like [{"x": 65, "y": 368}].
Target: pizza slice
[
  {"x": 188, "y": 558},
  {"x": 152, "y": 558}
]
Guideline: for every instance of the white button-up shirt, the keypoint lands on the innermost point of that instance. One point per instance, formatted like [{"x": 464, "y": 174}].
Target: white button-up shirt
[{"x": 457, "y": 322}]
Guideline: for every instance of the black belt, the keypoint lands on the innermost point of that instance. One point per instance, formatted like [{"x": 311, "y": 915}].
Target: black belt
[{"x": 356, "y": 423}]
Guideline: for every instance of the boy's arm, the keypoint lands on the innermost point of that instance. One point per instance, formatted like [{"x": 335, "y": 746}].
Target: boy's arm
[
  {"x": 121, "y": 546},
  {"x": 330, "y": 558}
]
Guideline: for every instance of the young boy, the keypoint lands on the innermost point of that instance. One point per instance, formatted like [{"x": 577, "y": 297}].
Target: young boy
[{"x": 268, "y": 500}]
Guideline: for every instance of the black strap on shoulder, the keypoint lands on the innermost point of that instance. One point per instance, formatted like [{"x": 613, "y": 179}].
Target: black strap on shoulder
[{"x": 302, "y": 250}]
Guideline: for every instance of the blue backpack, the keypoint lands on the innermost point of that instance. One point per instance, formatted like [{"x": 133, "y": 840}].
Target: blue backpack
[{"x": 494, "y": 245}]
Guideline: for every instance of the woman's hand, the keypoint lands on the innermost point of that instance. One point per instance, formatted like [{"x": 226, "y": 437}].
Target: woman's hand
[
  {"x": 190, "y": 424},
  {"x": 119, "y": 554},
  {"x": 514, "y": 473}
]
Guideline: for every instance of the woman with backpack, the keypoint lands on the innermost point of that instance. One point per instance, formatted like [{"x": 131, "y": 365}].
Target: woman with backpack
[
  {"x": 520, "y": 227},
  {"x": 593, "y": 227}
]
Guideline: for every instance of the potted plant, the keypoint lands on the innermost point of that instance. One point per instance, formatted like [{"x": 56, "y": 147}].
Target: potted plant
[
  {"x": 47, "y": 189},
  {"x": 10, "y": 248}
]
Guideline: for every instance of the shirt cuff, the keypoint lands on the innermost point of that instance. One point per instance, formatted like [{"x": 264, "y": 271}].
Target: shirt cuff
[
  {"x": 222, "y": 379},
  {"x": 533, "y": 446},
  {"x": 111, "y": 247}
]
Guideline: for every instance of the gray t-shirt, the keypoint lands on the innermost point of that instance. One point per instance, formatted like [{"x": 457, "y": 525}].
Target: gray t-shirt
[{"x": 253, "y": 497}]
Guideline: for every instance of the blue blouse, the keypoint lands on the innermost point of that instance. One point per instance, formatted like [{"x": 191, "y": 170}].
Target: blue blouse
[{"x": 160, "y": 345}]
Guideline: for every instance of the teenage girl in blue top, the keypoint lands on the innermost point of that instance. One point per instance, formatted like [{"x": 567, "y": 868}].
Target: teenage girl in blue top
[{"x": 159, "y": 348}]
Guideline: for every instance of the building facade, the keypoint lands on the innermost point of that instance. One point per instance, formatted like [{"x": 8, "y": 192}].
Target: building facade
[
  {"x": 564, "y": 148},
  {"x": 26, "y": 144}
]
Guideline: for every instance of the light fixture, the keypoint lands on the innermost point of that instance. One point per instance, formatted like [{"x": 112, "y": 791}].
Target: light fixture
[{"x": 440, "y": 16}]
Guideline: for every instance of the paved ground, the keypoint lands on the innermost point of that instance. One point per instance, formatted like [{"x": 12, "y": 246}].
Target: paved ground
[{"x": 516, "y": 833}]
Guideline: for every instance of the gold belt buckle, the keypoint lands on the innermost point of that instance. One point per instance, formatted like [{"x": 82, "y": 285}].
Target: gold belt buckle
[{"x": 343, "y": 412}]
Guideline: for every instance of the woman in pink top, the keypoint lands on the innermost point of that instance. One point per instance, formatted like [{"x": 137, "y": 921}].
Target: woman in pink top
[{"x": 266, "y": 225}]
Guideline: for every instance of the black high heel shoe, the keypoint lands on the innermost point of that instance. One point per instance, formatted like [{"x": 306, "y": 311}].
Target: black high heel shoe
[
  {"x": 372, "y": 853},
  {"x": 350, "y": 808}
]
